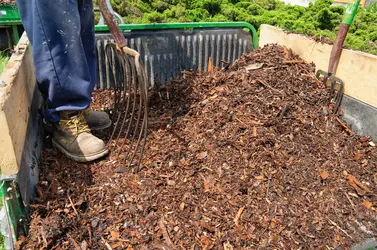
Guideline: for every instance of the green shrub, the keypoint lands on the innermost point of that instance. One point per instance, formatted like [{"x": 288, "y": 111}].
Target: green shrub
[{"x": 319, "y": 19}]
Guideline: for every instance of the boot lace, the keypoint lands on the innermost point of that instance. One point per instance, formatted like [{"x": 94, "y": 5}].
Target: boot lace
[{"x": 76, "y": 125}]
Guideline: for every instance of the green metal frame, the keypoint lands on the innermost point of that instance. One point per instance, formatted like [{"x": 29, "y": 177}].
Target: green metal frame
[
  {"x": 10, "y": 15},
  {"x": 161, "y": 26},
  {"x": 11, "y": 19},
  {"x": 16, "y": 219}
]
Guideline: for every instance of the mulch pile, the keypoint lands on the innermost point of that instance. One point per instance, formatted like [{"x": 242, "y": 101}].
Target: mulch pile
[
  {"x": 7, "y": 2},
  {"x": 247, "y": 157}
]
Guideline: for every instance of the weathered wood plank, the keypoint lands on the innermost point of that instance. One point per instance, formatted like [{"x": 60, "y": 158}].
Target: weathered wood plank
[{"x": 15, "y": 102}]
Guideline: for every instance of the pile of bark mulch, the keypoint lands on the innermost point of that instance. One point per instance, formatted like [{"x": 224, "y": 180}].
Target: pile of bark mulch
[
  {"x": 7, "y": 2},
  {"x": 249, "y": 157}
]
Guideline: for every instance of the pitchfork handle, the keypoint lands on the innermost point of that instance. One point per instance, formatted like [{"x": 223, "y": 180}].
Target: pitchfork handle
[
  {"x": 337, "y": 47},
  {"x": 111, "y": 23},
  {"x": 342, "y": 33}
]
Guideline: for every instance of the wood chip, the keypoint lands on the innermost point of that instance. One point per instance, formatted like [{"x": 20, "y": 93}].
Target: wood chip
[
  {"x": 238, "y": 216},
  {"x": 74, "y": 242},
  {"x": 357, "y": 185},
  {"x": 161, "y": 224},
  {"x": 73, "y": 206},
  {"x": 324, "y": 174},
  {"x": 346, "y": 128},
  {"x": 202, "y": 155},
  {"x": 106, "y": 244},
  {"x": 367, "y": 204},
  {"x": 228, "y": 246}
]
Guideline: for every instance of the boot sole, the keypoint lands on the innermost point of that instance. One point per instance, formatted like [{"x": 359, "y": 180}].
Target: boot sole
[{"x": 80, "y": 158}]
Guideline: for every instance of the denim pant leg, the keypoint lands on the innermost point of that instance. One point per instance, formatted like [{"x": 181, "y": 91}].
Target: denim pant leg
[
  {"x": 62, "y": 36},
  {"x": 88, "y": 36}
]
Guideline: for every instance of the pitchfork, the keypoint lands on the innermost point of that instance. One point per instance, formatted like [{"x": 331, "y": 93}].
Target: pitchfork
[
  {"x": 130, "y": 113},
  {"x": 335, "y": 56}
]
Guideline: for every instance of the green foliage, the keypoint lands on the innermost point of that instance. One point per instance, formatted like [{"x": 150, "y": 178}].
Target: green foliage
[
  {"x": 2, "y": 242},
  {"x": 3, "y": 61},
  {"x": 372, "y": 7},
  {"x": 319, "y": 19}
]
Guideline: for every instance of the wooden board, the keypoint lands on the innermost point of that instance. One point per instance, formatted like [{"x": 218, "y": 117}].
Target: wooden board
[
  {"x": 15, "y": 102},
  {"x": 358, "y": 70}
]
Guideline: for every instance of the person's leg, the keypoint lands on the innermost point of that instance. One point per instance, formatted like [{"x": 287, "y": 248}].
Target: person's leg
[
  {"x": 61, "y": 64},
  {"x": 65, "y": 72},
  {"x": 88, "y": 36},
  {"x": 95, "y": 119}
]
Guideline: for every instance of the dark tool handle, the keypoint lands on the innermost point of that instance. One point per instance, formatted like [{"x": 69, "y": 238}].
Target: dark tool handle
[
  {"x": 337, "y": 47},
  {"x": 348, "y": 18},
  {"x": 111, "y": 23}
]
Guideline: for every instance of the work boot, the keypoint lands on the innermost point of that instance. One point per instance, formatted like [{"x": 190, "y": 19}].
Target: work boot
[
  {"x": 72, "y": 137},
  {"x": 96, "y": 120}
]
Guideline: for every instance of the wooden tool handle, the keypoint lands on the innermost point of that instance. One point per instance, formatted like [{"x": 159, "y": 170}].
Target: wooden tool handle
[
  {"x": 348, "y": 18},
  {"x": 337, "y": 47},
  {"x": 111, "y": 23}
]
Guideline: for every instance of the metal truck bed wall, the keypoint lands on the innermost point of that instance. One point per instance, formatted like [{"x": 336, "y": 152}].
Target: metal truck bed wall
[{"x": 166, "y": 53}]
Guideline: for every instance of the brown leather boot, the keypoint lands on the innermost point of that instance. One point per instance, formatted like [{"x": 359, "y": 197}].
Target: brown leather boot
[{"x": 73, "y": 138}]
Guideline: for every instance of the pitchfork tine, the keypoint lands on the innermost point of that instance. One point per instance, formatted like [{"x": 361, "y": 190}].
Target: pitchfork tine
[
  {"x": 126, "y": 98},
  {"x": 134, "y": 86},
  {"x": 111, "y": 58},
  {"x": 132, "y": 115}
]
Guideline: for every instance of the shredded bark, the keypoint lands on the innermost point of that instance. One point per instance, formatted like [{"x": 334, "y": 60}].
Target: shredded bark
[
  {"x": 235, "y": 159},
  {"x": 7, "y": 2}
]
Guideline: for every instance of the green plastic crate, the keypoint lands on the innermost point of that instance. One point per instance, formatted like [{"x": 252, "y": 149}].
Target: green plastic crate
[{"x": 9, "y": 14}]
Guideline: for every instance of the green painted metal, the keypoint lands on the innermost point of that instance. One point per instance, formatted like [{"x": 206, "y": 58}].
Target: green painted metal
[
  {"x": 10, "y": 18},
  {"x": 16, "y": 221},
  {"x": 9, "y": 15},
  {"x": 16, "y": 35},
  {"x": 350, "y": 12},
  {"x": 162, "y": 26}
]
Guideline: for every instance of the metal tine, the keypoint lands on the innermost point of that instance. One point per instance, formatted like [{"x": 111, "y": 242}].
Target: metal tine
[
  {"x": 130, "y": 83},
  {"x": 143, "y": 95},
  {"x": 339, "y": 95},
  {"x": 140, "y": 110},
  {"x": 127, "y": 96},
  {"x": 135, "y": 85},
  {"x": 141, "y": 77},
  {"x": 111, "y": 59},
  {"x": 109, "y": 49},
  {"x": 325, "y": 76},
  {"x": 116, "y": 107},
  {"x": 117, "y": 79},
  {"x": 332, "y": 86},
  {"x": 121, "y": 46}
]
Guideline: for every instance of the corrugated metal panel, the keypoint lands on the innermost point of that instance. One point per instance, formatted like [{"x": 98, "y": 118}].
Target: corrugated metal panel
[{"x": 166, "y": 53}]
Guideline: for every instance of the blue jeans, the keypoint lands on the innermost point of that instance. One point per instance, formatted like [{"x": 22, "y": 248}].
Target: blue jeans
[{"x": 61, "y": 33}]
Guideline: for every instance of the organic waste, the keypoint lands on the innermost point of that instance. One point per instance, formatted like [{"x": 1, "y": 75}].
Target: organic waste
[{"x": 249, "y": 156}]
